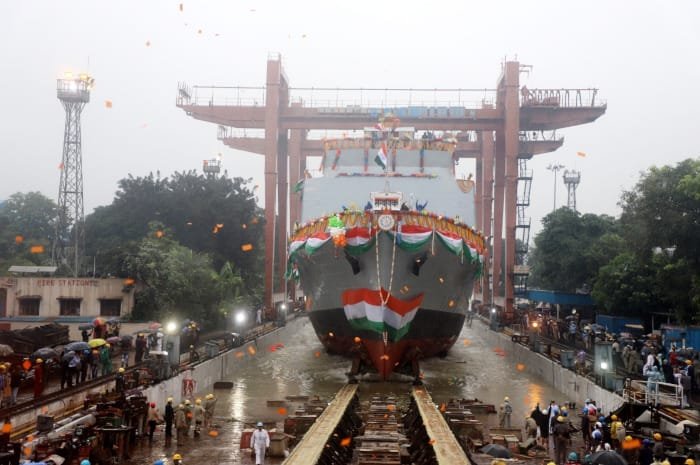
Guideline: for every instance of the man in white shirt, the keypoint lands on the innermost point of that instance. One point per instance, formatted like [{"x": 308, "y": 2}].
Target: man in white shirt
[{"x": 259, "y": 442}]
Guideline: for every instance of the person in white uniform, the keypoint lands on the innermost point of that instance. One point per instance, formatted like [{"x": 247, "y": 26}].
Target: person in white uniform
[{"x": 259, "y": 442}]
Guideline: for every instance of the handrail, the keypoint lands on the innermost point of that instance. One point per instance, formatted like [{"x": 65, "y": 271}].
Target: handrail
[
  {"x": 655, "y": 392},
  {"x": 562, "y": 98}
]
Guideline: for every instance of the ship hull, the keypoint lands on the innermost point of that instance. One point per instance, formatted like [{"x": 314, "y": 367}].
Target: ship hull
[
  {"x": 432, "y": 333},
  {"x": 435, "y": 279}
]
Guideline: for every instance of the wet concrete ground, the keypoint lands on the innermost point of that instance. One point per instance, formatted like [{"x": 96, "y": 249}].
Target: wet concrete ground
[{"x": 472, "y": 369}]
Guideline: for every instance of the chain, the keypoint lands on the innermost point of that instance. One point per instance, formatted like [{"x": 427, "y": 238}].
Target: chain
[{"x": 391, "y": 274}]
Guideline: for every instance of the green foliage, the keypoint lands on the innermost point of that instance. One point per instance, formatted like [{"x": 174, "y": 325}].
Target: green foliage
[
  {"x": 175, "y": 280},
  {"x": 210, "y": 215},
  {"x": 571, "y": 248},
  {"x": 30, "y": 216},
  {"x": 625, "y": 286}
]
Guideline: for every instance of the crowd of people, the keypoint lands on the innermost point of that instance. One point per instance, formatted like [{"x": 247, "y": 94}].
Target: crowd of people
[{"x": 554, "y": 429}]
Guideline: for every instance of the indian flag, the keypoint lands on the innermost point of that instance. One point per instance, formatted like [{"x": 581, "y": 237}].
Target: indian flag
[
  {"x": 316, "y": 241},
  {"x": 452, "y": 241},
  {"x": 412, "y": 236},
  {"x": 365, "y": 310},
  {"x": 295, "y": 245},
  {"x": 380, "y": 159},
  {"x": 359, "y": 240}
]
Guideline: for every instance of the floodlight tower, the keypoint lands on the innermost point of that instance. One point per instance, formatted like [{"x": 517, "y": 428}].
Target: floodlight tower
[
  {"x": 555, "y": 167},
  {"x": 572, "y": 178},
  {"x": 74, "y": 93}
]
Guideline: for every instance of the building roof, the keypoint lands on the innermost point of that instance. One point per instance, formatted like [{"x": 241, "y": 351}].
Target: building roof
[{"x": 32, "y": 269}]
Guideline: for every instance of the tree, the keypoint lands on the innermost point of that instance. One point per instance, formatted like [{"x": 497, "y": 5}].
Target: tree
[
  {"x": 26, "y": 220},
  {"x": 661, "y": 224},
  {"x": 175, "y": 280},
  {"x": 625, "y": 286},
  {"x": 570, "y": 249},
  {"x": 211, "y": 215}
]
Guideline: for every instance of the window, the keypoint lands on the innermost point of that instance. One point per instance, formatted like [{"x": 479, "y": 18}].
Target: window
[
  {"x": 29, "y": 306},
  {"x": 69, "y": 306},
  {"x": 110, "y": 307}
]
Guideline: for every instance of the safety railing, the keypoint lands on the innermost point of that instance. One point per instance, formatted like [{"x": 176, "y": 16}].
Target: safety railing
[
  {"x": 562, "y": 98},
  {"x": 220, "y": 95},
  {"x": 227, "y": 132},
  {"x": 534, "y": 136},
  {"x": 654, "y": 392},
  {"x": 364, "y": 100}
]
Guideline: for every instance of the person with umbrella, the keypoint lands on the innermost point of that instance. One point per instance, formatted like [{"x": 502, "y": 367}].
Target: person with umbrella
[
  {"x": 105, "y": 360},
  {"x": 38, "y": 378},
  {"x": 74, "y": 369},
  {"x": 15, "y": 383}
]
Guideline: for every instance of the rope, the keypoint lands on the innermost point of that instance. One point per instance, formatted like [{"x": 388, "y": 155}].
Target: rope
[{"x": 391, "y": 274}]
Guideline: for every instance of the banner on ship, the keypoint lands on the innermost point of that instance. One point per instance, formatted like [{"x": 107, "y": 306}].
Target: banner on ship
[{"x": 369, "y": 309}]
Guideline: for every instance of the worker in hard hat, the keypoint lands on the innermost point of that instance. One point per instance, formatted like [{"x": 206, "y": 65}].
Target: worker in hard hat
[
  {"x": 181, "y": 425},
  {"x": 259, "y": 442},
  {"x": 169, "y": 417},
  {"x": 630, "y": 449},
  {"x": 562, "y": 439},
  {"x": 209, "y": 406},
  {"x": 194, "y": 355},
  {"x": 572, "y": 458},
  {"x": 177, "y": 459},
  {"x": 188, "y": 414},
  {"x": 153, "y": 419},
  {"x": 646, "y": 455},
  {"x": 120, "y": 380},
  {"x": 658, "y": 448},
  {"x": 617, "y": 432},
  {"x": 505, "y": 411},
  {"x": 689, "y": 462},
  {"x": 85, "y": 462},
  {"x": 198, "y": 416}
]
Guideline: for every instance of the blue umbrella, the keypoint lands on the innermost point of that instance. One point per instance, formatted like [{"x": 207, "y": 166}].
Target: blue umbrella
[{"x": 78, "y": 346}]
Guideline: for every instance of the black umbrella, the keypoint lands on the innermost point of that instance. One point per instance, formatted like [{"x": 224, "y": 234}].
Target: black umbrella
[
  {"x": 45, "y": 353},
  {"x": 68, "y": 355},
  {"x": 498, "y": 451},
  {"x": 78, "y": 346},
  {"x": 85, "y": 326},
  {"x": 607, "y": 457}
]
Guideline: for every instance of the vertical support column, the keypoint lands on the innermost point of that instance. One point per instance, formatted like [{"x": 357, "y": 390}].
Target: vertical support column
[
  {"x": 295, "y": 172},
  {"x": 478, "y": 204},
  {"x": 282, "y": 204},
  {"x": 498, "y": 184},
  {"x": 486, "y": 183},
  {"x": 272, "y": 101},
  {"x": 511, "y": 130}
]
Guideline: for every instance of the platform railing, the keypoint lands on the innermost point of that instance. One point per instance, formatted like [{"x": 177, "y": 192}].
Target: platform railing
[
  {"x": 362, "y": 99},
  {"x": 220, "y": 95},
  {"x": 654, "y": 392},
  {"x": 227, "y": 132},
  {"x": 561, "y": 98}
]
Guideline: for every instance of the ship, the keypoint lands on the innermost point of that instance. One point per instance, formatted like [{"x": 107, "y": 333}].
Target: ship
[{"x": 386, "y": 253}]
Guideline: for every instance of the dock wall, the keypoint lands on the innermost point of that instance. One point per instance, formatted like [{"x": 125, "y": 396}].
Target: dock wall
[
  {"x": 576, "y": 388},
  {"x": 204, "y": 375}
]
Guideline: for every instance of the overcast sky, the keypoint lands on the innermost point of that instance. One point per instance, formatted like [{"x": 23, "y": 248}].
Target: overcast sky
[{"x": 643, "y": 56}]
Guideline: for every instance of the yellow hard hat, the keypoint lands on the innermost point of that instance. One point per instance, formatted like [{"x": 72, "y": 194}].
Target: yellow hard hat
[
  {"x": 689, "y": 462},
  {"x": 689, "y": 362},
  {"x": 560, "y": 419},
  {"x": 613, "y": 417},
  {"x": 198, "y": 401},
  {"x": 187, "y": 402},
  {"x": 38, "y": 360},
  {"x": 551, "y": 463},
  {"x": 564, "y": 409},
  {"x": 121, "y": 370},
  {"x": 170, "y": 399},
  {"x": 506, "y": 399},
  {"x": 107, "y": 345},
  {"x": 628, "y": 438},
  {"x": 209, "y": 396},
  {"x": 657, "y": 436},
  {"x": 177, "y": 457}
]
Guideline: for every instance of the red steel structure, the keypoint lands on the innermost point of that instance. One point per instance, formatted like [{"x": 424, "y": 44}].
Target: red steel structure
[{"x": 502, "y": 121}]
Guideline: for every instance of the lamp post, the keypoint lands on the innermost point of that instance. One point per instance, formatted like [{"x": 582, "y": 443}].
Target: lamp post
[
  {"x": 171, "y": 342},
  {"x": 555, "y": 167}
]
